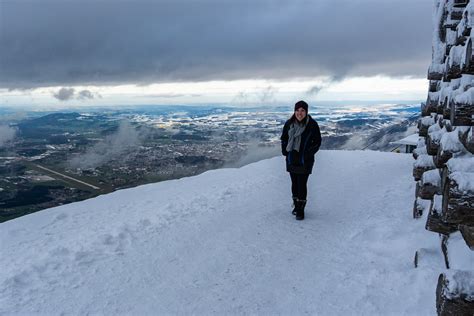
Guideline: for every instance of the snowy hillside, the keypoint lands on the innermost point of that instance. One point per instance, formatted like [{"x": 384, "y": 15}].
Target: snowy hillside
[{"x": 225, "y": 242}]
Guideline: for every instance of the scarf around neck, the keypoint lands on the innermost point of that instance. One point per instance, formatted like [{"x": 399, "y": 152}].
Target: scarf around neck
[{"x": 294, "y": 134}]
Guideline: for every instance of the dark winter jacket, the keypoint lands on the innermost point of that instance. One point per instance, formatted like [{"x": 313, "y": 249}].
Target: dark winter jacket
[{"x": 302, "y": 162}]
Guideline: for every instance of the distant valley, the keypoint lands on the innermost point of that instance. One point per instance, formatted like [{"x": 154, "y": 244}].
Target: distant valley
[{"x": 59, "y": 157}]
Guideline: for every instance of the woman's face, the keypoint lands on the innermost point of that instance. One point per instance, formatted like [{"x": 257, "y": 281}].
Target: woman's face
[{"x": 300, "y": 114}]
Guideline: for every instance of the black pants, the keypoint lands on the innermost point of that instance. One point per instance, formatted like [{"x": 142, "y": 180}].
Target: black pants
[{"x": 298, "y": 185}]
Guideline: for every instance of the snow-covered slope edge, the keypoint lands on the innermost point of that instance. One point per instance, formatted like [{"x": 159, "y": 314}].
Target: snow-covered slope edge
[{"x": 225, "y": 242}]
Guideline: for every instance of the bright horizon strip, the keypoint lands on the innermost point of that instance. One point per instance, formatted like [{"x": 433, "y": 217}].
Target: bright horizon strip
[{"x": 377, "y": 88}]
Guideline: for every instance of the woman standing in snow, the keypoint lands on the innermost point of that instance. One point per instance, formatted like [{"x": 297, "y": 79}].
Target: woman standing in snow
[{"x": 300, "y": 141}]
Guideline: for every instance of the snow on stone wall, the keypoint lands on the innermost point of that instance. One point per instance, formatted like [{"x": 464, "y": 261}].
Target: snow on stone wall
[{"x": 449, "y": 146}]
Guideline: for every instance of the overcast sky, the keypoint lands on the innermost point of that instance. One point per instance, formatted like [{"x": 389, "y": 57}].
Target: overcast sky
[{"x": 108, "y": 43}]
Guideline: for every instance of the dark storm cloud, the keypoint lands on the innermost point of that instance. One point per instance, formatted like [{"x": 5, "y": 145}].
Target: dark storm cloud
[
  {"x": 85, "y": 94},
  {"x": 64, "y": 94},
  {"x": 314, "y": 90},
  {"x": 108, "y": 42}
]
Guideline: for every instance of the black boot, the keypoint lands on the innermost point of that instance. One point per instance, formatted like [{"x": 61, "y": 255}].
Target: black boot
[
  {"x": 300, "y": 209},
  {"x": 294, "y": 205}
]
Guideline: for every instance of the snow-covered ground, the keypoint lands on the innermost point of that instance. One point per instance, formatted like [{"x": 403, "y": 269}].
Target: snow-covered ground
[{"x": 225, "y": 242}]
